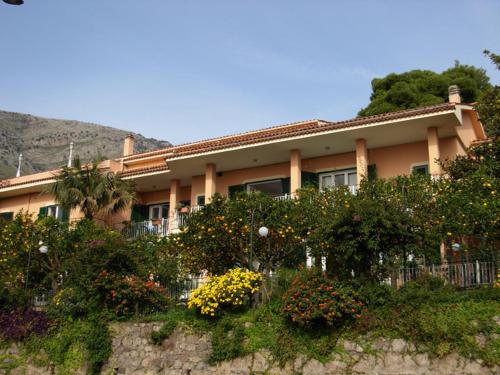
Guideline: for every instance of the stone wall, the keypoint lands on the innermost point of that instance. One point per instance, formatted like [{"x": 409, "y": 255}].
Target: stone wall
[{"x": 186, "y": 353}]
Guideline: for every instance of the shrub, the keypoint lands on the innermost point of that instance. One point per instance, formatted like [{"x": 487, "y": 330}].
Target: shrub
[
  {"x": 126, "y": 295},
  {"x": 164, "y": 333},
  {"x": 18, "y": 325},
  {"x": 234, "y": 288},
  {"x": 227, "y": 341},
  {"x": 313, "y": 299}
]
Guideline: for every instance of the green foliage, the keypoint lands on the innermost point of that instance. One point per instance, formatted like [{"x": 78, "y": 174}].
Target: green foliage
[
  {"x": 488, "y": 105},
  {"x": 227, "y": 341},
  {"x": 220, "y": 236},
  {"x": 91, "y": 190},
  {"x": 73, "y": 344},
  {"x": 315, "y": 300},
  {"x": 423, "y": 87},
  {"x": 164, "y": 333}
]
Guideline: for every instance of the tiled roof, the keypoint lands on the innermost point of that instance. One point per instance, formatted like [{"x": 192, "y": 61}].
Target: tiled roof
[
  {"x": 8, "y": 184},
  {"x": 134, "y": 172},
  {"x": 286, "y": 131}
]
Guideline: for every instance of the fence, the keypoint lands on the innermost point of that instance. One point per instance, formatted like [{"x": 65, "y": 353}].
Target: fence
[
  {"x": 463, "y": 275},
  {"x": 142, "y": 228}
]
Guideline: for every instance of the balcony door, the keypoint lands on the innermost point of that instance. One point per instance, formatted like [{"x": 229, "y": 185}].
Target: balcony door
[
  {"x": 158, "y": 211},
  {"x": 330, "y": 180}
]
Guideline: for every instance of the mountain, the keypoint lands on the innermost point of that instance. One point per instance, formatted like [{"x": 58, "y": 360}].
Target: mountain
[{"x": 44, "y": 142}]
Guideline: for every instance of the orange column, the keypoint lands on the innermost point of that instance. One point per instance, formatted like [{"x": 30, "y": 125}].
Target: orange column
[
  {"x": 433, "y": 149},
  {"x": 174, "y": 193},
  {"x": 295, "y": 171},
  {"x": 210, "y": 184},
  {"x": 361, "y": 159}
]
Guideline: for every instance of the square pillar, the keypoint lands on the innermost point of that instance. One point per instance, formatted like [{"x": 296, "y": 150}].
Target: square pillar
[
  {"x": 295, "y": 171},
  {"x": 433, "y": 149},
  {"x": 172, "y": 213},
  {"x": 210, "y": 182},
  {"x": 361, "y": 159}
]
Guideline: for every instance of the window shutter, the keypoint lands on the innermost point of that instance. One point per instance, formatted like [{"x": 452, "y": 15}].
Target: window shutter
[
  {"x": 310, "y": 179},
  {"x": 285, "y": 183},
  {"x": 139, "y": 213},
  {"x": 235, "y": 189},
  {"x": 64, "y": 214},
  {"x": 43, "y": 212},
  {"x": 372, "y": 172}
]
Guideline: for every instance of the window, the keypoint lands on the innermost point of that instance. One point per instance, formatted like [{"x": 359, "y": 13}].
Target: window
[
  {"x": 158, "y": 211},
  {"x": 54, "y": 211},
  {"x": 200, "y": 200},
  {"x": 271, "y": 187},
  {"x": 6, "y": 216},
  {"x": 338, "y": 178},
  {"x": 420, "y": 169}
]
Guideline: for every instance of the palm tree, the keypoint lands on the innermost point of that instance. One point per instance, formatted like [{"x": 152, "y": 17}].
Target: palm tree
[{"x": 92, "y": 190}]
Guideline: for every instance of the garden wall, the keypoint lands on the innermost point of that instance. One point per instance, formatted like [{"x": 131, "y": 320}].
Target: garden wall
[{"x": 185, "y": 353}]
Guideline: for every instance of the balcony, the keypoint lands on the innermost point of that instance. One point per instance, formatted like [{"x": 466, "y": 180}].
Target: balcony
[{"x": 145, "y": 228}]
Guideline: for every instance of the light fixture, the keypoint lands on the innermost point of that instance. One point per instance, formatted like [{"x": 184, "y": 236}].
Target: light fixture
[
  {"x": 263, "y": 231},
  {"x": 455, "y": 247},
  {"x": 43, "y": 248},
  {"x": 14, "y": 2}
]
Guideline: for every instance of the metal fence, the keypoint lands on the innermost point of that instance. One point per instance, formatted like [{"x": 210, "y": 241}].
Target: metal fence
[
  {"x": 463, "y": 275},
  {"x": 182, "y": 289},
  {"x": 143, "y": 228}
]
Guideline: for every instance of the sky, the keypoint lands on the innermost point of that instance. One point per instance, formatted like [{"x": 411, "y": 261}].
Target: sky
[{"x": 187, "y": 70}]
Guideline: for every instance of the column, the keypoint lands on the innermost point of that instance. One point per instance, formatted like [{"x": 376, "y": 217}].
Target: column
[
  {"x": 172, "y": 214},
  {"x": 361, "y": 159},
  {"x": 210, "y": 183},
  {"x": 433, "y": 149},
  {"x": 295, "y": 171}
]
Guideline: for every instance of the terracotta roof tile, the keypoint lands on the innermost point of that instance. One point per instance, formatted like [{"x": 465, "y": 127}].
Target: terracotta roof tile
[
  {"x": 137, "y": 171},
  {"x": 284, "y": 132}
]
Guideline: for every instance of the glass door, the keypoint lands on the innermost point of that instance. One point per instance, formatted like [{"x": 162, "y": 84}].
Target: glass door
[{"x": 339, "y": 178}]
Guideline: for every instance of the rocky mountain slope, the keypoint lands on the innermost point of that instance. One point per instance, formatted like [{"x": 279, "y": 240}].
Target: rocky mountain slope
[{"x": 44, "y": 142}]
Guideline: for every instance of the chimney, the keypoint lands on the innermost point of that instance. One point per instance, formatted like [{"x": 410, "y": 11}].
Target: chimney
[
  {"x": 128, "y": 145},
  {"x": 454, "y": 94},
  {"x": 20, "y": 162}
]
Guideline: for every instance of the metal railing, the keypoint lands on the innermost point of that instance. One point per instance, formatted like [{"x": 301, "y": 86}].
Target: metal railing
[
  {"x": 183, "y": 289},
  {"x": 464, "y": 275},
  {"x": 143, "y": 228}
]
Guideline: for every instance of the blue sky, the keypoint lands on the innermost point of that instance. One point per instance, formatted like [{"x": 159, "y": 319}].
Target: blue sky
[{"x": 187, "y": 70}]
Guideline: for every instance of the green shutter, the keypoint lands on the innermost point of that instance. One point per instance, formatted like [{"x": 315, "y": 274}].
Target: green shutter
[
  {"x": 7, "y": 216},
  {"x": 310, "y": 179},
  {"x": 285, "y": 185},
  {"x": 139, "y": 213},
  {"x": 64, "y": 214},
  {"x": 372, "y": 172},
  {"x": 43, "y": 212},
  {"x": 235, "y": 189}
]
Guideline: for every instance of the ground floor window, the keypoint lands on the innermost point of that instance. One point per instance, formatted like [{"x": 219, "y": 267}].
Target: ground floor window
[
  {"x": 420, "y": 169},
  {"x": 271, "y": 187},
  {"x": 54, "y": 211},
  {"x": 200, "y": 200},
  {"x": 6, "y": 216},
  {"x": 338, "y": 178}
]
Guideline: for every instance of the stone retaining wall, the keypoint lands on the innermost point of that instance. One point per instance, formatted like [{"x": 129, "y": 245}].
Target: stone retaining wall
[{"x": 185, "y": 353}]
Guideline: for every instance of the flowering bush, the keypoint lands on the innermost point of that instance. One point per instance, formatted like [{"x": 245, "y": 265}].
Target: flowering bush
[
  {"x": 234, "y": 288},
  {"x": 126, "y": 295},
  {"x": 17, "y": 325},
  {"x": 314, "y": 299}
]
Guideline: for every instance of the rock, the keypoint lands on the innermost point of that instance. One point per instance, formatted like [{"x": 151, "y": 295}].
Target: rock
[
  {"x": 398, "y": 345},
  {"x": 313, "y": 367},
  {"x": 350, "y": 346}
]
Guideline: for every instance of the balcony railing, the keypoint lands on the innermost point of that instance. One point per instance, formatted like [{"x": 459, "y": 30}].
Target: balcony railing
[{"x": 144, "y": 228}]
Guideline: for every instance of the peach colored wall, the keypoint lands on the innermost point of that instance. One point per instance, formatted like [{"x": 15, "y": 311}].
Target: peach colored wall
[
  {"x": 241, "y": 176},
  {"x": 450, "y": 147},
  {"x": 398, "y": 160},
  {"x": 30, "y": 203},
  {"x": 152, "y": 197},
  {"x": 330, "y": 162},
  {"x": 197, "y": 187},
  {"x": 466, "y": 132}
]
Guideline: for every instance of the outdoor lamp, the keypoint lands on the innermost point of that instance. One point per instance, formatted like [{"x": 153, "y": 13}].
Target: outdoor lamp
[
  {"x": 43, "y": 248},
  {"x": 455, "y": 246},
  {"x": 14, "y": 2},
  {"x": 263, "y": 231}
]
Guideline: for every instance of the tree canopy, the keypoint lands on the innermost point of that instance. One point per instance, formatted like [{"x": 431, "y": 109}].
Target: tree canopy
[
  {"x": 92, "y": 190},
  {"x": 424, "y": 87},
  {"x": 489, "y": 103}
]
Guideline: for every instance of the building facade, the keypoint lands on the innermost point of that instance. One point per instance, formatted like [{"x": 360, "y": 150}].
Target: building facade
[{"x": 278, "y": 161}]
